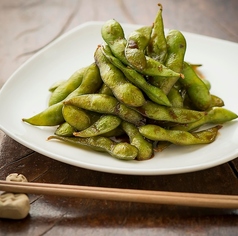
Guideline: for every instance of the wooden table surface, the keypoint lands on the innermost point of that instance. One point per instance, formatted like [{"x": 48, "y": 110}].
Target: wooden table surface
[{"x": 25, "y": 28}]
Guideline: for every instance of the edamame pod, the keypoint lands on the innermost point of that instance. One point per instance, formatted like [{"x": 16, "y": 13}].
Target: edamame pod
[
  {"x": 115, "y": 133},
  {"x": 177, "y": 45},
  {"x": 76, "y": 117},
  {"x": 176, "y": 48},
  {"x": 122, "y": 89},
  {"x": 123, "y": 151},
  {"x": 216, "y": 115},
  {"x": 104, "y": 124},
  {"x": 55, "y": 85},
  {"x": 196, "y": 89},
  {"x": 154, "y": 93},
  {"x": 179, "y": 137},
  {"x": 172, "y": 114},
  {"x": 157, "y": 47},
  {"x": 105, "y": 90},
  {"x": 207, "y": 83},
  {"x": 175, "y": 98},
  {"x": 216, "y": 101},
  {"x": 53, "y": 115},
  {"x": 113, "y": 35},
  {"x": 137, "y": 42},
  {"x": 65, "y": 129},
  {"x": 106, "y": 104},
  {"x": 145, "y": 149},
  {"x": 63, "y": 90}
]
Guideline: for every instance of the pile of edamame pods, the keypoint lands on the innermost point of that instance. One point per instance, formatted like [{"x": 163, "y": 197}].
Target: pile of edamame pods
[{"x": 139, "y": 88}]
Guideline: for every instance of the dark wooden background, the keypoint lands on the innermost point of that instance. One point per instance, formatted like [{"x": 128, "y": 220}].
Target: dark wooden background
[{"x": 26, "y": 26}]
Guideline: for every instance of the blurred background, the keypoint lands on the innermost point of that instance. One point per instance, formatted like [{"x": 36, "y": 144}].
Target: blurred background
[{"x": 26, "y": 26}]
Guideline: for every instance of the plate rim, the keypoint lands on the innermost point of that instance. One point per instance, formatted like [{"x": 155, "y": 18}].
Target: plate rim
[{"x": 95, "y": 167}]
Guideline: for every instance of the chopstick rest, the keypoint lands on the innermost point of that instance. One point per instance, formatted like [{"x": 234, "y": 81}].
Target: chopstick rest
[{"x": 14, "y": 205}]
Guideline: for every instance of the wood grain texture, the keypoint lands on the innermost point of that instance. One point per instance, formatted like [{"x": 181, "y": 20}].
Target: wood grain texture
[{"x": 25, "y": 28}]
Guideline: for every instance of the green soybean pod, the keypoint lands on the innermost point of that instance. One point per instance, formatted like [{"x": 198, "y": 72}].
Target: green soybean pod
[
  {"x": 115, "y": 133},
  {"x": 216, "y": 115},
  {"x": 216, "y": 101},
  {"x": 145, "y": 148},
  {"x": 157, "y": 47},
  {"x": 52, "y": 115},
  {"x": 64, "y": 89},
  {"x": 179, "y": 137},
  {"x": 196, "y": 89},
  {"x": 172, "y": 114},
  {"x": 65, "y": 129},
  {"x": 106, "y": 104},
  {"x": 176, "y": 48},
  {"x": 104, "y": 124},
  {"x": 105, "y": 90},
  {"x": 76, "y": 117},
  {"x": 55, "y": 85},
  {"x": 154, "y": 93},
  {"x": 122, "y": 151},
  {"x": 113, "y": 35},
  {"x": 137, "y": 42},
  {"x": 175, "y": 97},
  {"x": 122, "y": 89}
]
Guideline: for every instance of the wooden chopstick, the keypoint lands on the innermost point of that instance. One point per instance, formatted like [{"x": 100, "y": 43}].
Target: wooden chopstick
[{"x": 130, "y": 195}]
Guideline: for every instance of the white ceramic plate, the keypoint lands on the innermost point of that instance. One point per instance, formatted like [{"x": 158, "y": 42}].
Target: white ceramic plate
[{"x": 26, "y": 93}]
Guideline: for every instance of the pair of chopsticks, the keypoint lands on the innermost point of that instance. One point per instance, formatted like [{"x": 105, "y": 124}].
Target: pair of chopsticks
[{"x": 129, "y": 195}]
